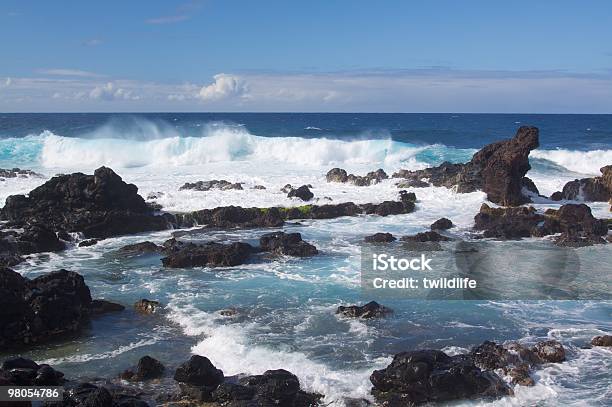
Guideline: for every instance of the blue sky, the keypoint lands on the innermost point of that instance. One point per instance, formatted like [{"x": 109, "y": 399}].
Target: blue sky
[{"x": 399, "y": 56}]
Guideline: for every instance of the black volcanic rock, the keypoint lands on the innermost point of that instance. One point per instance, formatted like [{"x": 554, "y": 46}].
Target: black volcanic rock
[
  {"x": 214, "y": 184},
  {"x": 429, "y": 236},
  {"x": 99, "y": 206},
  {"x": 199, "y": 371},
  {"x": 602, "y": 340},
  {"x": 289, "y": 244},
  {"x": 35, "y": 311},
  {"x": 497, "y": 169},
  {"x": 148, "y": 368},
  {"x": 184, "y": 255},
  {"x": 302, "y": 193},
  {"x": 442, "y": 224},
  {"x": 371, "y": 178},
  {"x": 423, "y": 376},
  {"x": 370, "y": 310},
  {"x": 379, "y": 238},
  {"x": 595, "y": 189}
]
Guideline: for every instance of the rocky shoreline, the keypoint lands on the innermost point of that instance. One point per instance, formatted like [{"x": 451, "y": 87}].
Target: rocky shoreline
[{"x": 80, "y": 210}]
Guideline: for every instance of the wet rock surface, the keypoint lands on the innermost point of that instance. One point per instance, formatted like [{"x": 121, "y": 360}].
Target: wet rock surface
[
  {"x": 602, "y": 340},
  {"x": 575, "y": 223},
  {"x": 371, "y": 178},
  {"x": 428, "y": 236},
  {"x": 379, "y": 238},
  {"x": 497, "y": 169},
  {"x": 289, "y": 244},
  {"x": 370, "y": 310},
  {"x": 148, "y": 368},
  {"x": 595, "y": 189},
  {"x": 99, "y": 206},
  {"x": 17, "y": 173},
  {"x": 418, "y": 377},
  {"x": 302, "y": 193},
  {"x": 187, "y": 254},
  {"x": 38, "y": 310},
  {"x": 442, "y": 224},
  {"x": 213, "y": 184},
  {"x": 145, "y": 306}
]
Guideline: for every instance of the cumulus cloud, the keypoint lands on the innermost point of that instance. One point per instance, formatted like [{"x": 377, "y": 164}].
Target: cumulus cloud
[
  {"x": 225, "y": 86},
  {"x": 109, "y": 91}
]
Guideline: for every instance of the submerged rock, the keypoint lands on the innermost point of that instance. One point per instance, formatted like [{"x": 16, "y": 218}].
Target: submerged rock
[
  {"x": 423, "y": 376},
  {"x": 100, "y": 307},
  {"x": 99, "y": 206},
  {"x": 140, "y": 248},
  {"x": 380, "y": 238},
  {"x": 17, "y": 173},
  {"x": 214, "y": 184},
  {"x": 371, "y": 178},
  {"x": 497, "y": 169},
  {"x": 289, "y": 244},
  {"x": 145, "y": 306},
  {"x": 370, "y": 310}
]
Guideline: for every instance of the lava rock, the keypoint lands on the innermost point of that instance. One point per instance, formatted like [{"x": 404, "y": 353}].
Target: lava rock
[
  {"x": 145, "y": 306},
  {"x": 603, "y": 340},
  {"x": 140, "y": 248},
  {"x": 34, "y": 311},
  {"x": 302, "y": 193},
  {"x": 208, "y": 255},
  {"x": 99, "y": 206},
  {"x": 595, "y": 189},
  {"x": 371, "y": 178},
  {"x": 424, "y": 376},
  {"x": 148, "y": 368},
  {"x": 87, "y": 243},
  {"x": 380, "y": 238},
  {"x": 214, "y": 184},
  {"x": 199, "y": 371},
  {"x": 442, "y": 224},
  {"x": 429, "y": 236},
  {"x": 370, "y": 310},
  {"x": 497, "y": 169},
  {"x": 550, "y": 351},
  {"x": 100, "y": 307},
  {"x": 288, "y": 244}
]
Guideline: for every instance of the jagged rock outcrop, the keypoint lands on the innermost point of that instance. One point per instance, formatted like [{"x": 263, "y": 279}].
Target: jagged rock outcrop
[
  {"x": 442, "y": 224},
  {"x": 302, "y": 193},
  {"x": 423, "y": 376},
  {"x": 35, "y": 311},
  {"x": 213, "y": 184},
  {"x": 186, "y": 254},
  {"x": 148, "y": 368},
  {"x": 595, "y": 189},
  {"x": 370, "y": 310},
  {"x": 238, "y": 217},
  {"x": 380, "y": 238},
  {"x": 99, "y": 206},
  {"x": 575, "y": 223},
  {"x": 497, "y": 169},
  {"x": 288, "y": 244},
  {"x": 371, "y": 178}
]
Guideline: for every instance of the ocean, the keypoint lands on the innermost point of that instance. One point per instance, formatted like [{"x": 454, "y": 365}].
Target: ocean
[{"x": 286, "y": 307}]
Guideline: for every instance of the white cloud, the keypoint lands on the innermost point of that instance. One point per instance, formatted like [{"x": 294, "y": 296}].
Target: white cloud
[
  {"x": 224, "y": 87},
  {"x": 109, "y": 91},
  {"x": 8, "y": 82},
  {"x": 70, "y": 72},
  {"x": 167, "y": 19}
]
